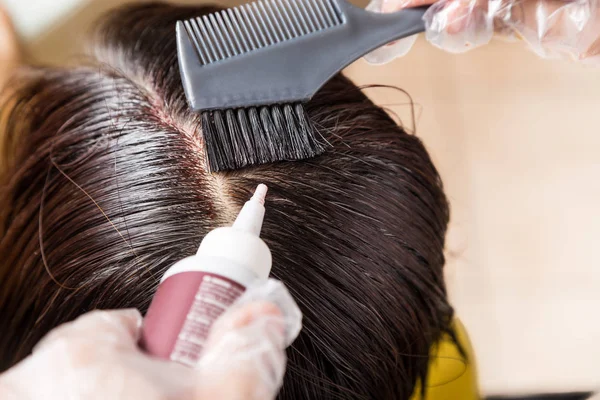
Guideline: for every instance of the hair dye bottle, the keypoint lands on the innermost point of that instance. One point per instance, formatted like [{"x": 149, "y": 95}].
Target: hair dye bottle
[{"x": 195, "y": 291}]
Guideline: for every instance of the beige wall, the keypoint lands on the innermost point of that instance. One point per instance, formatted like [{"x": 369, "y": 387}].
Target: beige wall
[
  {"x": 518, "y": 145},
  {"x": 517, "y": 141}
]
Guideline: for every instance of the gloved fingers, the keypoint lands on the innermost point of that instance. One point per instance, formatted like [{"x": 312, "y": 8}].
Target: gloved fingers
[
  {"x": 96, "y": 356},
  {"x": 115, "y": 328},
  {"x": 592, "y": 53},
  {"x": 247, "y": 361},
  {"x": 394, "y": 49},
  {"x": 397, "y": 5},
  {"x": 457, "y": 26},
  {"x": 452, "y": 25},
  {"x": 391, "y": 51},
  {"x": 555, "y": 28},
  {"x": 243, "y": 316},
  {"x": 86, "y": 358},
  {"x": 551, "y": 28},
  {"x": 244, "y": 356},
  {"x": 274, "y": 292}
]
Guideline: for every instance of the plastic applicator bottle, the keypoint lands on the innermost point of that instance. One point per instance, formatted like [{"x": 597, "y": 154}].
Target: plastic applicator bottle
[{"x": 195, "y": 291}]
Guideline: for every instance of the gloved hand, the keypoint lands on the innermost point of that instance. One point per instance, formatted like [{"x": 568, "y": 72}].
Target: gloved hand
[
  {"x": 551, "y": 28},
  {"x": 97, "y": 356}
]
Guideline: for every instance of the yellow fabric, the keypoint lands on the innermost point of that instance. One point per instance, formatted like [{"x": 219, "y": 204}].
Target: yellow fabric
[{"x": 450, "y": 377}]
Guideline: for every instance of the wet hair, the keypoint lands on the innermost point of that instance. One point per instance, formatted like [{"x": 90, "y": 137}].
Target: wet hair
[{"x": 103, "y": 186}]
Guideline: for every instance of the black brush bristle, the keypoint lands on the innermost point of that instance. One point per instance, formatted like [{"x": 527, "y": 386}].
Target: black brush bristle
[{"x": 244, "y": 137}]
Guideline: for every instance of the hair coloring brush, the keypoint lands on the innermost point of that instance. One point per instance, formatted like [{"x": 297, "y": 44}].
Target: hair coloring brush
[{"x": 249, "y": 69}]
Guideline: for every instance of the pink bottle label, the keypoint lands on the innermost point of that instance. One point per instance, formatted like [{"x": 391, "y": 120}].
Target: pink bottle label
[{"x": 183, "y": 309}]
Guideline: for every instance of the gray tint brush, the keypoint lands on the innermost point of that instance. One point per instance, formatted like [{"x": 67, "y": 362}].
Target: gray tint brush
[{"x": 250, "y": 69}]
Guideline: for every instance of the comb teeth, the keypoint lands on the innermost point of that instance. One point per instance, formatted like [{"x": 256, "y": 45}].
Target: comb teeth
[{"x": 252, "y": 26}]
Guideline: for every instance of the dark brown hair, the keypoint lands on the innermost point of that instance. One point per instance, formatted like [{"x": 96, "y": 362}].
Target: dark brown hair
[{"x": 103, "y": 186}]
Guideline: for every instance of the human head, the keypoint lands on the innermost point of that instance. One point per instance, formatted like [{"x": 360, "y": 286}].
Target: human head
[{"x": 104, "y": 186}]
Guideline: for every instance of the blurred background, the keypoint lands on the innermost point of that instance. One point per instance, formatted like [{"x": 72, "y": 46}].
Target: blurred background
[{"x": 517, "y": 142}]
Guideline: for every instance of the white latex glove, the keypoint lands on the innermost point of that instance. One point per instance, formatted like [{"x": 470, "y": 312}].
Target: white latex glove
[
  {"x": 551, "y": 28},
  {"x": 97, "y": 357}
]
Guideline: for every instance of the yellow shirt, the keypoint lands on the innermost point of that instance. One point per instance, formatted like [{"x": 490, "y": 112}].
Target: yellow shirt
[{"x": 450, "y": 376}]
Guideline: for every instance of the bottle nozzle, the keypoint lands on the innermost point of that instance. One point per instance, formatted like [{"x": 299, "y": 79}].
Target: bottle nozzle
[
  {"x": 251, "y": 216},
  {"x": 260, "y": 193}
]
